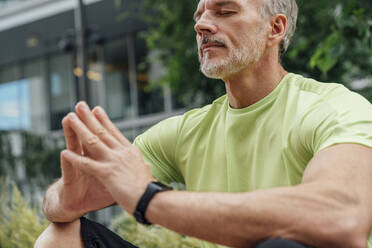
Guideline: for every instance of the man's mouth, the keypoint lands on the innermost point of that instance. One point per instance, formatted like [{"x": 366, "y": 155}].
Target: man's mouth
[{"x": 209, "y": 43}]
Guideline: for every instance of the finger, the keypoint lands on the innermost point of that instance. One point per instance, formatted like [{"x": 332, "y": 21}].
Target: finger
[
  {"x": 94, "y": 146},
  {"x": 89, "y": 119},
  {"x": 103, "y": 118},
  {"x": 83, "y": 163},
  {"x": 72, "y": 141}
]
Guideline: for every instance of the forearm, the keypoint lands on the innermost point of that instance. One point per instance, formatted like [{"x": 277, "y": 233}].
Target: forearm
[
  {"x": 53, "y": 208},
  {"x": 303, "y": 213}
]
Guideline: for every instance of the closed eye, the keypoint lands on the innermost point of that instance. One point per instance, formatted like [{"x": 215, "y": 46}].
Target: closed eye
[{"x": 225, "y": 13}]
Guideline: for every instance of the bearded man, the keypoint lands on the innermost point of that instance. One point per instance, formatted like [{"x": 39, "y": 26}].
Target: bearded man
[{"x": 279, "y": 161}]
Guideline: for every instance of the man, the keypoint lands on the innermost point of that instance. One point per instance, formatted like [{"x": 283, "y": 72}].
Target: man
[{"x": 280, "y": 156}]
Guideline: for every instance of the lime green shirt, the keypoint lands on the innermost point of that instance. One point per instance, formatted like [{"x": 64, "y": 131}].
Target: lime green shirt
[{"x": 266, "y": 145}]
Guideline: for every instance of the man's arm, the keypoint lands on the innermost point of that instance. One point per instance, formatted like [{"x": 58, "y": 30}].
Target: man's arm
[{"x": 331, "y": 208}]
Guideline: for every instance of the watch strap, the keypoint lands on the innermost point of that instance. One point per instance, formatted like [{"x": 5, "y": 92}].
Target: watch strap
[{"x": 151, "y": 190}]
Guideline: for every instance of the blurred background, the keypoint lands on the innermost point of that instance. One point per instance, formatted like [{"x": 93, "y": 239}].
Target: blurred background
[{"x": 138, "y": 60}]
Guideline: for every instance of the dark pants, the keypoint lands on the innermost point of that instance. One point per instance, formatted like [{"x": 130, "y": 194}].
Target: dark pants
[
  {"x": 280, "y": 243},
  {"x": 96, "y": 235}
]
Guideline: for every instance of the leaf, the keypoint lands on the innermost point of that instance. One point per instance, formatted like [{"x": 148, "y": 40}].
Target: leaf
[{"x": 327, "y": 55}]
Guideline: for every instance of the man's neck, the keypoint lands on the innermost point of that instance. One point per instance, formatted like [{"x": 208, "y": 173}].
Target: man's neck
[{"x": 254, "y": 83}]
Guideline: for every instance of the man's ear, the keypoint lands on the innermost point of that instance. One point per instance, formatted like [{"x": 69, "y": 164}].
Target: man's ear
[{"x": 278, "y": 29}]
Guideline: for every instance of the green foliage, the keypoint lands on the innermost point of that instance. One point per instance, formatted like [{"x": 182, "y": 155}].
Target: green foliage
[
  {"x": 20, "y": 224},
  {"x": 7, "y": 160},
  {"x": 39, "y": 155},
  {"x": 333, "y": 42},
  {"x": 150, "y": 237},
  {"x": 327, "y": 56}
]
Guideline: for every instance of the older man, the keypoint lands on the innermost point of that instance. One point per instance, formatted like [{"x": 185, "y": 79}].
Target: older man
[{"x": 279, "y": 161}]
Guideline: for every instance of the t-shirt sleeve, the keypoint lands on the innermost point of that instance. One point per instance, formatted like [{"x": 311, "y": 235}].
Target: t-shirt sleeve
[
  {"x": 158, "y": 146},
  {"x": 345, "y": 118}
]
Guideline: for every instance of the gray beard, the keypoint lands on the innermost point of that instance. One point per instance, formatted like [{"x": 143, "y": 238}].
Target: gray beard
[{"x": 238, "y": 59}]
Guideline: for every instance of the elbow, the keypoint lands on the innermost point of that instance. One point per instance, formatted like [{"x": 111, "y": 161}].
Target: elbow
[
  {"x": 344, "y": 221},
  {"x": 352, "y": 238},
  {"x": 354, "y": 233},
  {"x": 350, "y": 230}
]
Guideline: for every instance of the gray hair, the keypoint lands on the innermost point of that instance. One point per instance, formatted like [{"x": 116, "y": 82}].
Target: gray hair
[{"x": 288, "y": 8}]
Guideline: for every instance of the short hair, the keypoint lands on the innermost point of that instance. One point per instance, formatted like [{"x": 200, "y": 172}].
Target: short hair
[{"x": 288, "y": 8}]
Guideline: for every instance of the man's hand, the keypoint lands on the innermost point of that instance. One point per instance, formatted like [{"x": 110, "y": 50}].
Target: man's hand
[
  {"x": 77, "y": 192},
  {"x": 80, "y": 192},
  {"x": 110, "y": 169}
]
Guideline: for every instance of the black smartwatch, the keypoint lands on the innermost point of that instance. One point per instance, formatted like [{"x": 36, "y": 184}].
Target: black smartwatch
[{"x": 152, "y": 189}]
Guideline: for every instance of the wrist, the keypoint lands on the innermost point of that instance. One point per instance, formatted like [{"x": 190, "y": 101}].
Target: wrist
[
  {"x": 152, "y": 189},
  {"x": 128, "y": 195}
]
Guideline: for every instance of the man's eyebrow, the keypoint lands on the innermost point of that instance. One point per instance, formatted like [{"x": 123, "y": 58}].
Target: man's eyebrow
[
  {"x": 226, "y": 2},
  {"x": 218, "y": 4}
]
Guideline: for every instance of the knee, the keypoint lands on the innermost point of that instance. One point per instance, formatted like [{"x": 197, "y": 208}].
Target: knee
[
  {"x": 279, "y": 243},
  {"x": 58, "y": 235}
]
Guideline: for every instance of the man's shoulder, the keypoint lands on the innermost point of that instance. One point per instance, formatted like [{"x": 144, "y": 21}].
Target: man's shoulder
[
  {"x": 315, "y": 87},
  {"x": 335, "y": 96},
  {"x": 325, "y": 114}
]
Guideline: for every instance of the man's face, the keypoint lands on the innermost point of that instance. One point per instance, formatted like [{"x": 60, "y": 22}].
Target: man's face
[{"x": 231, "y": 36}]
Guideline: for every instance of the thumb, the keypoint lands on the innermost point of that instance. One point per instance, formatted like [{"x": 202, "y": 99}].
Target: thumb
[
  {"x": 82, "y": 163},
  {"x": 69, "y": 173}
]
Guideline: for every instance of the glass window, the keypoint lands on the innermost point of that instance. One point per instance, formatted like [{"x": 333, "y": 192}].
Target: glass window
[
  {"x": 14, "y": 100},
  {"x": 150, "y": 97},
  {"x": 10, "y": 73},
  {"x": 118, "y": 104},
  {"x": 34, "y": 74},
  {"x": 62, "y": 88},
  {"x": 6, "y": 3},
  {"x": 95, "y": 76}
]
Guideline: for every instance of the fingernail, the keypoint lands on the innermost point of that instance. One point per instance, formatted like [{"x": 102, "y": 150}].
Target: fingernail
[
  {"x": 85, "y": 105},
  {"x": 100, "y": 110},
  {"x": 72, "y": 116}
]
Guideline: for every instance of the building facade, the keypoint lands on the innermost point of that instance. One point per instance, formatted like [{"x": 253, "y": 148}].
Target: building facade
[
  {"x": 40, "y": 77},
  {"x": 39, "y": 70}
]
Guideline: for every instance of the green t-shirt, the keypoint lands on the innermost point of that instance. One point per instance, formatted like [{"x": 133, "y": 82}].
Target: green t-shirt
[{"x": 266, "y": 145}]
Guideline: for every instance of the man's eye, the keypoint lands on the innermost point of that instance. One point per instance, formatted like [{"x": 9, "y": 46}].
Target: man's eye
[{"x": 224, "y": 13}]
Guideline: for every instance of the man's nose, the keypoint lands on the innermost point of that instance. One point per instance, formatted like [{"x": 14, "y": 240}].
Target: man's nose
[{"x": 203, "y": 26}]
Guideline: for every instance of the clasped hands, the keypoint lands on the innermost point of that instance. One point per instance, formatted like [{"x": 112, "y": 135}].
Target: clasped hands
[{"x": 100, "y": 166}]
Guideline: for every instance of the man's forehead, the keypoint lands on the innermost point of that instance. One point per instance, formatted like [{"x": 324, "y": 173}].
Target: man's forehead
[
  {"x": 203, "y": 3},
  {"x": 210, "y": 2}
]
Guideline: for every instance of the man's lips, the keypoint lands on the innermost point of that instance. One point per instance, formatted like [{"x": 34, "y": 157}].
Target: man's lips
[{"x": 211, "y": 45}]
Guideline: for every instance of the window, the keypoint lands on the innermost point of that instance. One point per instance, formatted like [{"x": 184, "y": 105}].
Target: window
[
  {"x": 34, "y": 75},
  {"x": 61, "y": 89},
  {"x": 118, "y": 103},
  {"x": 95, "y": 76},
  {"x": 14, "y": 100},
  {"x": 150, "y": 97}
]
